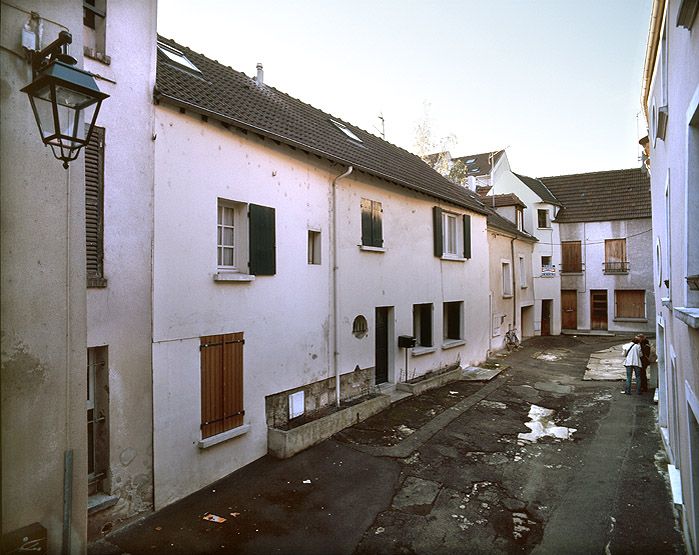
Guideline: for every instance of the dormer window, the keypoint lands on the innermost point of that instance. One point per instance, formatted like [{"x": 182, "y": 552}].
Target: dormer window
[
  {"x": 178, "y": 57},
  {"x": 346, "y": 130}
]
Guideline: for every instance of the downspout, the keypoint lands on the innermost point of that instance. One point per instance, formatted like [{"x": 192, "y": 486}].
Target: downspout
[
  {"x": 656, "y": 19},
  {"x": 514, "y": 286},
  {"x": 335, "y": 302}
]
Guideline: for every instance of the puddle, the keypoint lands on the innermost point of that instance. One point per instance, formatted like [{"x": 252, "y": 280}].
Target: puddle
[{"x": 541, "y": 425}]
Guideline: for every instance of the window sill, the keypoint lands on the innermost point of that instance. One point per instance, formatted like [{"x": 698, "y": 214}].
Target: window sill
[
  {"x": 233, "y": 276},
  {"x": 666, "y": 302},
  {"x": 689, "y": 316},
  {"x": 615, "y": 273},
  {"x": 371, "y": 249},
  {"x": 419, "y": 351},
  {"x": 507, "y": 296},
  {"x": 100, "y": 502},
  {"x": 451, "y": 343},
  {"x": 96, "y": 282},
  {"x": 630, "y": 319},
  {"x": 99, "y": 56},
  {"x": 523, "y": 286},
  {"x": 564, "y": 273},
  {"x": 225, "y": 436},
  {"x": 453, "y": 258}
]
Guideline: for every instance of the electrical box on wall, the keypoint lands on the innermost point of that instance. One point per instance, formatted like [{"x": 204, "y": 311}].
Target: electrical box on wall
[{"x": 296, "y": 404}]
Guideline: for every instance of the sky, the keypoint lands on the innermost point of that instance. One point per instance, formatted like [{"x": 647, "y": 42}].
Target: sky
[{"x": 555, "y": 82}]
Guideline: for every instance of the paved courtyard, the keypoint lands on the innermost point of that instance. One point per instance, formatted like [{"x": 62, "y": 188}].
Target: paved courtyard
[{"x": 534, "y": 460}]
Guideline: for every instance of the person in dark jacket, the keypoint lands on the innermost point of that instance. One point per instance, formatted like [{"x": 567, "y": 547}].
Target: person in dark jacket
[{"x": 645, "y": 360}]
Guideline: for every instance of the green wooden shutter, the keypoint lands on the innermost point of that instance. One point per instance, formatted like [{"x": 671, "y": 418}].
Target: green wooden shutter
[
  {"x": 262, "y": 241},
  {"x": 467, "y": 236},
  {"x": 437, "y": 231},
  {"x": 365, "y": 206},
  {"x": 94, "y": 208},
  {"x": 376, "y": 227}
]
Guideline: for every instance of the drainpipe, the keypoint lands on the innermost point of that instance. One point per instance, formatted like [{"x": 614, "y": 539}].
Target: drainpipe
[
  {"x": 514, "y": 286},
  {"x": 333, "y": 247}
]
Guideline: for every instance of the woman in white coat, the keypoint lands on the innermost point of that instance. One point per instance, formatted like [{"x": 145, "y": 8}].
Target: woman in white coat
[{"x": 632, "y": 361}]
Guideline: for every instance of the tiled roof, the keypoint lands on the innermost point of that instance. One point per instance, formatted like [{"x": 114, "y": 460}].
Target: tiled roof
[
  {"x": 539, "y": 188},
  {"x": 221, "y": 93},
  {"x": 602, "y": 196},
  {"x": 506, "y": 199},
  {"x": 480, "y": 164}
]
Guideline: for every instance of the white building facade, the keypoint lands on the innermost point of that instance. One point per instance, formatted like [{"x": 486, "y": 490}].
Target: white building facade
[{"x": 670, "y": 99}]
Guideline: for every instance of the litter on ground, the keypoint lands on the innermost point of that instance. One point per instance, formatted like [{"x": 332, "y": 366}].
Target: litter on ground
[{"x": 213, "y": 518}]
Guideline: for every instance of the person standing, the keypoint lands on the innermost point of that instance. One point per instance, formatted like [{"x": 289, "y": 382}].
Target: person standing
[
  {"x": 645, "y": 360},
  {"x": 632, "y": 361}
]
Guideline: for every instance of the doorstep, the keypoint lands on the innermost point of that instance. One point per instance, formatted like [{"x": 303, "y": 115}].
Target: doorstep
[
  {"x": 283, "y": 444},
  {"x": 605, "y": 333}
]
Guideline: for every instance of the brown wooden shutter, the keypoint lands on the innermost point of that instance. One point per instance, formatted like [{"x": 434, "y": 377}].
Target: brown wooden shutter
[
  {"x": 221, "y": 383},
  {"x": 572, "y": 258},
  {"x": 437, "y": 231},
  {"x": 631, "y": 303},
  {"x": 94, "y": 208},
  {"x": 467, "y": 236},
  {"x": 615, "y": 250}
]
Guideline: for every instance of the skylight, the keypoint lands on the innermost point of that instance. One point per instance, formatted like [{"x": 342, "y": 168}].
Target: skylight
[
  {"x": 346, "y": 130},
  {"x": 176, "y": 56},
  {"x": 470, "y": 160}
]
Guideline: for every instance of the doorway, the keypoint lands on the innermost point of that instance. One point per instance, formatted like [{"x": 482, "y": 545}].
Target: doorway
[
  {"x": 569, "y": 309},
  {"x": 546, "y": 316},
  {"x": 381, "y": 344},
  {"x": 598, "y": 309}
]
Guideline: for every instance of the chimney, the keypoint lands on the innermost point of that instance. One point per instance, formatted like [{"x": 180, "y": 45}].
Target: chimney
[{"x": 260, "y": 75}]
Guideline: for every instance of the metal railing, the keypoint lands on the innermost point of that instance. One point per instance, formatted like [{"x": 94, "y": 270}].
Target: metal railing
[{"x": 616, "y": 267}]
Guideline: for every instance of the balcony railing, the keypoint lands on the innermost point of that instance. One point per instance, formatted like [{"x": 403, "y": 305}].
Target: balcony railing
[
  {"x": 548, "y": 270},
  {"x": 616, "y": 267}
]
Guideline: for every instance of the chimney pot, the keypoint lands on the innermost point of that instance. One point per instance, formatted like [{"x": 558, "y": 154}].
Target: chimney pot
[{"x": 260, "y": 74}]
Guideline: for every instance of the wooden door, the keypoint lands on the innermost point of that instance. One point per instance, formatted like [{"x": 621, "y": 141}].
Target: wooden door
[
  {"x": 598, "y": 309},
  {"x": 546, "y": 317},
  {"x": 381, "y": 345},
  {"x": 569, "y": 309}
]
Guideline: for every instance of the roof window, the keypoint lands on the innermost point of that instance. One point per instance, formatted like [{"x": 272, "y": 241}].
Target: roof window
[
  {"x": 346, "y": 130},
  {"x": 176, "y": 56},
  {"x": 470, "y": 160}
]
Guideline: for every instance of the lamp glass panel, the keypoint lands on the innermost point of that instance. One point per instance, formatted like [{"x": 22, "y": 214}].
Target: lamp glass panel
[
  {"x": 44, "y": 112},
  {"x": 73, "y": 99}
]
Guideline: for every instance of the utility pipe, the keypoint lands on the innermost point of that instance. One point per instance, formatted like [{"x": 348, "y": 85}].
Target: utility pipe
[
  {"x": 651, "y": 52},
  {"x": 514, "y": 285},
  {"x": 333, "y": 246}
]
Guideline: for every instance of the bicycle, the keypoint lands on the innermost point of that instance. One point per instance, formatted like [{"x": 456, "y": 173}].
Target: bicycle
[{"x": 511, "y": 340}]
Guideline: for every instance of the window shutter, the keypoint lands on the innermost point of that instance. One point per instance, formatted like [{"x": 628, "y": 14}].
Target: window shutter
[
  {"x": 467, "y": 236},
  {"x": 94, "y": 206},
  {"x": 262, "y": 241},
  {"x": 572, "y": 259},
  {"x": 221, "y": 383},
  {"x": 377, "y": 225},
  {"x": 365, "y": 207},
  {"x": 437, "y": 231}
]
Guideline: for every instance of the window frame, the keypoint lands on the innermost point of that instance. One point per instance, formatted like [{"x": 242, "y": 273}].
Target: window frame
[
  {"x": 547, "y": 218},
  {"x": 452, "y": 315},
  {"x": 314, "y": 257},
  {"x": 423, "y": 325},
  {"x": 523, "y": 277},
  {"x": 506, "y": 274},
  {"x": 639, "y": 315}
]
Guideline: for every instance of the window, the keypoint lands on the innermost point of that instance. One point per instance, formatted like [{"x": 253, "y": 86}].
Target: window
[
  {"x": 346, "y": 130},
  {"x": 630, "y": 303},
  {"x": 178, "y": 57},
  {"x": 572, "y": 257},
  {"x": 543, "y": 220},
  {"x": 452, "y": 234},
  {"x": 506, "y": 278},
  {"x": 615, "y": 256},
  {"x": 97, "y": 407},
  {"x": 94, "y": 28},
  {"x": 246, "y": 239},
  {"x": 547, "y": 268},
  {"x": 372, "y": 232},
  {"x": 360, "y": 327},
  {"x": 519, "y": 218},
  {"x": 221, "y": 383},
  {"x": 422, "y": 324},
  {"x": 522, "y": 272},
  {"x": 313, "y": 247},
  {"x": 94, "y": 209},
  {"x": 453, "y": 317}
]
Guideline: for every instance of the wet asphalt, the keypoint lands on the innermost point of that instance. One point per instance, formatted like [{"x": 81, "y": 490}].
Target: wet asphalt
[{"x": 445, "y": 472}]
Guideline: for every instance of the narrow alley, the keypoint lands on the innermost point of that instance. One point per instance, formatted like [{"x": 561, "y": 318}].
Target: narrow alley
[{"x": 470, "y": 467}]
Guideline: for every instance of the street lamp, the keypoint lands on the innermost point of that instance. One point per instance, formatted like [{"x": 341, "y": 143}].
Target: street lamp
[{"x": 59, "y": 94}]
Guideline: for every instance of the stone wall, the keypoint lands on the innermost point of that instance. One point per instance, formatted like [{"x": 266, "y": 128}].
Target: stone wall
[{"x": 319, "y": 394}]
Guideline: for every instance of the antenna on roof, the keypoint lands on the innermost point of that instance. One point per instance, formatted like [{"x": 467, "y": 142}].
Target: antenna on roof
[{"x": 382, "y": 131}]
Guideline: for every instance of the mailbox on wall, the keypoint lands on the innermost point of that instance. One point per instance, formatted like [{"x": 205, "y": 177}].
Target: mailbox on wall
[{"x": 406, "y": 341}]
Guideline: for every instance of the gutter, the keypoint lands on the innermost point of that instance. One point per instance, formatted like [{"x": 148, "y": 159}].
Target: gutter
[
  {"x": 158, "y": 95},
  {"x": 335, "y": 301},
  {"x": 656, "y": 19}
]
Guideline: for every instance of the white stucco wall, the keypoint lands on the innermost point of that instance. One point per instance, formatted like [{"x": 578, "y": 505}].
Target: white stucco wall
[
  {"x": 674, "y": 185},
  {"x": 119, "y": 315},
  {"x": 43, "y": 298},
  {"x": 639, "y": 251}
]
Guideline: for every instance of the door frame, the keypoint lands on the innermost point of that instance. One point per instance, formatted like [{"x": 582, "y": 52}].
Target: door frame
[
  {"x": 390, "y": 343},
  {"x": 574, "y": 296},
  {"x": 592, "y": 309}
]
